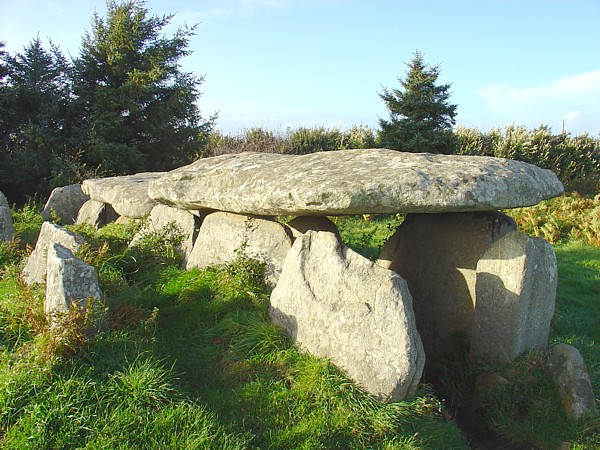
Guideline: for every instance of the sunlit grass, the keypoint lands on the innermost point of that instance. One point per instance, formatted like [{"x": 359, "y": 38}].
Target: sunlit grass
[{"x": 190, "y": 360}]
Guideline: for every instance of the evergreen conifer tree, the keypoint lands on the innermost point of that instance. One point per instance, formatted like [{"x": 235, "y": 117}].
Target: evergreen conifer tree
[
  {"x": 421, "y": 117},
  {"x": 137, "y": 110},
  {"x": 34, "y": 97}
]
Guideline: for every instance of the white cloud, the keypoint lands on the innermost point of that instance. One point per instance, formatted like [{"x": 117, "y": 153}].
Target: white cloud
[
  {"x": 53, "y": 6},
  {"x": 575, "y": 99}
]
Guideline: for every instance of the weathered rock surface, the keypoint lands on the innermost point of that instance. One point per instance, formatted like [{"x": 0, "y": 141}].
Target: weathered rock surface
[
  {"x": 437, "y": 255},
  {"x": 96, "y": 213},
  {"x": 128, "y": 194},
  {"x": 35, "y": 269},
  {"x": 7, "y": 229},
  {"x": 337, "y": 304},
  {"x": 69, "y": 280},
  {"x": 516, "y": 293},
  {"x": 570, "y": 373},
  {"x": 186, "y": 223},
  {"x": 223, "y": 235},
  {"x": 65, "y": 203},
  {"x": 301, "y": 224},
  {"x": 354, "y": 182}
]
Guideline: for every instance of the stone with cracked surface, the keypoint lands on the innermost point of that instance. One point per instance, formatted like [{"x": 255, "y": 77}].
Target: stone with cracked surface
[
  {"x": 337, "y": 304},
  {"x": 365, "y": 181},
  {"x": 69, "y": 281},
  {"x": 35, "y": 269},
  {"x": 127, "y": 194}
]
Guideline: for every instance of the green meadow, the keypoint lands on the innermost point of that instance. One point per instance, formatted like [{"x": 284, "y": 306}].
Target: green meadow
[{"x": 190, "y": 360}]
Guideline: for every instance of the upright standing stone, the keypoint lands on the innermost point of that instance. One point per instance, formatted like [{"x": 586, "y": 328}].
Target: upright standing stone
[
  {"x": 96, "y": 213},
  {"x": 186, "y": 222},
  {"x": 35, "y": 269},
  {"x": 337, "y": 304},
  {"x": 69, "y": 280},
  {"x": 65, "y": 203},
  {"x": 437, "y": 255},
  {"x": 516, "y": 292},
  {"x": 570, "y": 374},
  {"x": 7, "y": 229},
  {"x": 223, "y": 236}
]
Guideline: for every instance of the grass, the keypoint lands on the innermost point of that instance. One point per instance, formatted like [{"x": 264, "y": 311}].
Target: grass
[{"x": 190, "y": 360}]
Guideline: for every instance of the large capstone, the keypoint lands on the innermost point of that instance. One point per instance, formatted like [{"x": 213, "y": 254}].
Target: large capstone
[
  {"x": 225, "y": 236},
  {"x": 516, "y": 293},
  {"x": 35, "y": 269},
  {"x": 353, "y": 182},
  {"x": 337, "y": 304},
  {"x": 7, "y": 229},
  {"x": 64, "y": 203},
  {"x": 437, "y": 254},
  {"x": 128, "y": 194}
]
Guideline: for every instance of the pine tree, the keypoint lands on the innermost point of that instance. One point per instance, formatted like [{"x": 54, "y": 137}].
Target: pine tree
[
  {"x": 421, "y": 117},
  {"x": 34, "y": 96},
  {"x": 138, "y": 111}
]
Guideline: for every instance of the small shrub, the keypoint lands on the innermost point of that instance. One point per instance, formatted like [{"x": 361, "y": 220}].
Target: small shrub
[{"x": 72, "y": 332}]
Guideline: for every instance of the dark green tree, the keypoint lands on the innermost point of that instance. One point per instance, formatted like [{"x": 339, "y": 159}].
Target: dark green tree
[
  {"x": 34, "y": 97},
  {"x": 137, "y": 110},
  {"x": 421, "y": 117}
]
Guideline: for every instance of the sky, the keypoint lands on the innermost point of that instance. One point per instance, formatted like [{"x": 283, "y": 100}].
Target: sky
[{"x": 289, "y": 63}]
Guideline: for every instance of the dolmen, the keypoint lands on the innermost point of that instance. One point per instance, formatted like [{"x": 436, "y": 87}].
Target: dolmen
[{"x": 455, "y": 276}]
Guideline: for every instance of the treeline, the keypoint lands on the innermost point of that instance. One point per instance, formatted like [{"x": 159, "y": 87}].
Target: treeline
[
  {"x": 297, "y": 141},
  {"x": 124, "y": 106},
  {"x": 575, "y": 159},
  {"x": 121, "y": 106}
]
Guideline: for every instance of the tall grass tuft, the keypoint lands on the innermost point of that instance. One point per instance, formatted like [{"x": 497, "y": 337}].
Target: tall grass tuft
[{"x": 574, "y": 159}]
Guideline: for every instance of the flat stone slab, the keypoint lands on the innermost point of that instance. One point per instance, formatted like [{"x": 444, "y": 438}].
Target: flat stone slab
[
  {"x": 128, "y": 194},
  {"x": 336, "y": 304},
  {"x": 365, "y": 181}
]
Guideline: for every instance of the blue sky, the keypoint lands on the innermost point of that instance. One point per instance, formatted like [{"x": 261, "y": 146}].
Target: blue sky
[{"x": 280, "y": 63}]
